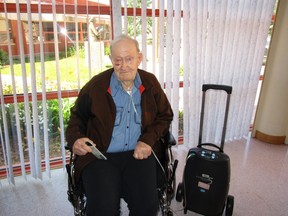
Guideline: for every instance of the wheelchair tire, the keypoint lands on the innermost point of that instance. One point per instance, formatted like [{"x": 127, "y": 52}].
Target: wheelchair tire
[
  {"x": 180, "y": 192},
  {"x": 229, "y": 205},
  {"x": 170, "y": 213}
]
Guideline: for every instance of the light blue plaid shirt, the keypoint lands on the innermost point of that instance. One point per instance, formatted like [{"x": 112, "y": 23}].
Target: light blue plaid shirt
[{"x": 127, "y": 125}]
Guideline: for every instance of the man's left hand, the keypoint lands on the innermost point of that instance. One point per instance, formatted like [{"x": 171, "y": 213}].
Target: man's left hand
[{"x": 142, "y": 151}]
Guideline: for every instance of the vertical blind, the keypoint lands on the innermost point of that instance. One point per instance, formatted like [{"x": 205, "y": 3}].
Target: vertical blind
[
  {"x": 192, "y": 42},
  {"x": 212, "y": 42}
]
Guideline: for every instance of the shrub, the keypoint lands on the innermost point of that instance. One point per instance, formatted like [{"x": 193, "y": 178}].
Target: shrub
[
  {"x": 53, "y": 118},
  {"x": 72, "y": 51},
  {"x": 4, "y": 60}
]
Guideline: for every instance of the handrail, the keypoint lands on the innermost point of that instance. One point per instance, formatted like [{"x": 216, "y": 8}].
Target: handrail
[{"x": 49, "y": 96}]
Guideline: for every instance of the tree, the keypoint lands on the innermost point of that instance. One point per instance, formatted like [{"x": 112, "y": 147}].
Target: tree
[{"x": 138, "y": 20}]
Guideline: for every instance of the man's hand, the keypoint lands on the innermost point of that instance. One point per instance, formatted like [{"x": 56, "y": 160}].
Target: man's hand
[
  {"x": 80, "y": 147},
  {"x": 142, "y": 151}
]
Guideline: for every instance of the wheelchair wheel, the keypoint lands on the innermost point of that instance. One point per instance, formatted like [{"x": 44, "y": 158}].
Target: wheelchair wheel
[
  {"x": 170, "y": 213},
  {"x": 180, "y": 192}
]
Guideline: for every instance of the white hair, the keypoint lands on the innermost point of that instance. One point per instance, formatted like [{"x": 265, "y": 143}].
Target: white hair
[{"x": 123, "y": 37}]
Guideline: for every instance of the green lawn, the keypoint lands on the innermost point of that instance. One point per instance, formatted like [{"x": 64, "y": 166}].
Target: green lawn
[{"x": 68, "y": 68}]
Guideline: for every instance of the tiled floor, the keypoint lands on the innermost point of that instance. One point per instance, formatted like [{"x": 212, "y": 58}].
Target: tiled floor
[{"x": 259, "y": 177}]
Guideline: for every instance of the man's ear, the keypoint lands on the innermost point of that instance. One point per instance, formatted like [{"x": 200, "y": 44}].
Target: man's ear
[{"x": 140, "y": 58}]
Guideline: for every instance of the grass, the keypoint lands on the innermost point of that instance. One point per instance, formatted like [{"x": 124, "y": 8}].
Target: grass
[
  {"x": 67, "y": 68},
  {"x": 68, "y": 71}
]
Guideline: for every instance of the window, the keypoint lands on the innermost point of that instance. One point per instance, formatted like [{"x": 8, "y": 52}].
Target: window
[
  {"x": 39, "y": 86},
  {"x": 48, "y": 31},
  {"x": 3, "y": 32},
  {"x": 35, "y": 31}
]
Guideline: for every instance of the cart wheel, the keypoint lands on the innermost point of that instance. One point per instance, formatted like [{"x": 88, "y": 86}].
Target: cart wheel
[
  {"x": 170, "y": 213},
  {"x": 180, "y": 192},
  {"x": 229, "y": 205}
]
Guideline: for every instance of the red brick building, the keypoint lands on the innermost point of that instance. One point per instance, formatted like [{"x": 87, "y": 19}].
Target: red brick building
[{"x": 66, "y": 24}]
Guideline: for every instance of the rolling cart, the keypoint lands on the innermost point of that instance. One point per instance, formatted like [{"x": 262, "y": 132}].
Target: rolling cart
[{"x": 206, "y": 178}]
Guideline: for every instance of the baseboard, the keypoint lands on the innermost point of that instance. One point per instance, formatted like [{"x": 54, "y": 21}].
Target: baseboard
[{"x": 278, "y": 140}]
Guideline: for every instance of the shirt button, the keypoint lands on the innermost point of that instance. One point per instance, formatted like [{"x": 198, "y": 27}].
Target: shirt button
[{"x": 127, "y": 126}]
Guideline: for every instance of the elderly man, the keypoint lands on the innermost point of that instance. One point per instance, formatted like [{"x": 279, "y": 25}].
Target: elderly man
[{"x": 123, "y": 112}]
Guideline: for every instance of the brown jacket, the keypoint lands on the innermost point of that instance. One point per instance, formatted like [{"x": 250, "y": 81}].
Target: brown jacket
[{"x": 94, "y": 113}]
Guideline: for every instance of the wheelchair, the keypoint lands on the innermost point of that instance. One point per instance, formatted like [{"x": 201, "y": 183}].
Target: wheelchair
[{"x": 165, "y": 179}]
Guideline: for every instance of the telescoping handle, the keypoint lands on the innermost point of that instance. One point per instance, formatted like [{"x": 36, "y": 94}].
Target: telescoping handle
[{"x": 228, "y": 90}]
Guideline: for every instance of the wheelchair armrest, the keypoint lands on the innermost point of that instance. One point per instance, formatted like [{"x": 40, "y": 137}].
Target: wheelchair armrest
[
  {"x": 169, "y": 139},
  {"x": 72, "y": 155},
  {"x": 68, "y": 148}
]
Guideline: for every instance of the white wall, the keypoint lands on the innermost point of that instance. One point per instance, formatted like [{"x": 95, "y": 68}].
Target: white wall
[{"x": 272, "y": 113}]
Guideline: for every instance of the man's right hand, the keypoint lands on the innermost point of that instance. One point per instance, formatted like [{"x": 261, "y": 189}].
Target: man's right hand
[{"x": 80, "y": 147}]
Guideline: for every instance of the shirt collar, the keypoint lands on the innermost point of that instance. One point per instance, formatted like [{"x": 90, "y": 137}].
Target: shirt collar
[{"x": 115, "y": 84}]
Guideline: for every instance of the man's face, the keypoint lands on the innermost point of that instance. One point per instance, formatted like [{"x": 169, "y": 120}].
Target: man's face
[{"x": 125, "y": 59}]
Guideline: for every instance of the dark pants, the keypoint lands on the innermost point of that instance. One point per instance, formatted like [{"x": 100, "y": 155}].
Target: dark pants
[{"x": 121, "y": 176}]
